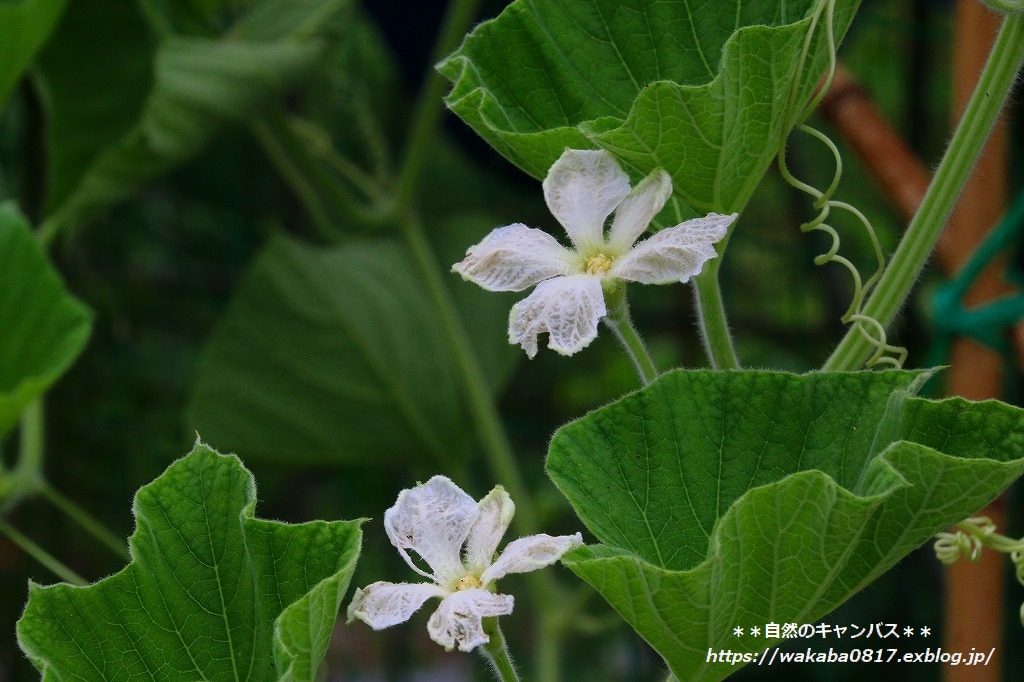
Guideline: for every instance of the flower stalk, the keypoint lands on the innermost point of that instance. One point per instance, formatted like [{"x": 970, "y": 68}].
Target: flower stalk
[
  {"x": 714, "y": 328},
  {"x": 496, "y": 652},
  {"x": 619, "y": 321}
]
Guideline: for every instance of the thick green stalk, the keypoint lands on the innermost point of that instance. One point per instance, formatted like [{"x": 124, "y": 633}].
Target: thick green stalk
[
  {"x": 1010, "y": 6},
  {"x": 714, "y": 328},
  {"x": 621, "y": 324},
  {"x": 982, "y": 110}
]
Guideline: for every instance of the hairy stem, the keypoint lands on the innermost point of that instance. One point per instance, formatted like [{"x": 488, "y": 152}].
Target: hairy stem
[
  {"x": 896, "y": 282},
  {"x": 714, "y": 328},
  {"x": 618, "y": 319},
  {"x": 496, "y": 652}
]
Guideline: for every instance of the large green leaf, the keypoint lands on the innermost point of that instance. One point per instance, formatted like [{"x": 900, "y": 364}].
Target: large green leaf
[
  {"x": 142, "y": 103},
  {"x": 24, "y": 26},
  {"x": 44, "y": 327},
  {"x": 331, "y": 355},
  {"x": 705, "y": 90},
  {"x": 729, "y": 499},
  {"x": 211, "y": 593}
]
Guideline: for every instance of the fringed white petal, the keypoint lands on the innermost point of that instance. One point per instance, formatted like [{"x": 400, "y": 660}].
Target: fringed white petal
[
  {"x": 496, "y": 512},
  {"x": 515, "y": 257},
  {"x": 582, "y": 189},
  {"x": 529, "y": 554},
  {"x": 433, "y": 519},
  {"x": 384, "y": 604},
  {"x": 458, "y": 621},
  {"x": 568, "y": 309},
  {"x": 674, "y": 254},
  {"x": 637, "y": 210}
]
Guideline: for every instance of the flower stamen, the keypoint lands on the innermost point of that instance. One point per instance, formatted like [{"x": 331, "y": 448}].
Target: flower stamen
[
  {"x": 469, "y": 582},
  {"x": 599, "y": 264}
]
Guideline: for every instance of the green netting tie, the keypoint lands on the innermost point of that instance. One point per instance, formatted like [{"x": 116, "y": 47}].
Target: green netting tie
[{"x": 985, "y": 323}]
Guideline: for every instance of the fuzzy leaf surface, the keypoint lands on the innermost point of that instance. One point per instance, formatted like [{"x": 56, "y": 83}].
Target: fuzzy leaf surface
[{"x": 706, "y": 91}]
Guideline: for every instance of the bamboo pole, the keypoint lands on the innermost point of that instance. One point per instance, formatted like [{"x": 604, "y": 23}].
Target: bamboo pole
[{"x": 975, "y": 593}]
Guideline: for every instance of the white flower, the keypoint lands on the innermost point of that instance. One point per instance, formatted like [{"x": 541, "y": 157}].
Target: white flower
[
  {"x": 582, "y": 189},
  {"x": 457, "y": 538}
]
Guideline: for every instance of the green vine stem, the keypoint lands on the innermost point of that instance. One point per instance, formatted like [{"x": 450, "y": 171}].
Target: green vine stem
[
  {"x": 426, "y": 117},
  {"x": 41, "y": 555},
  {"x": 29, "y": 468},
  {"x": 619, "y": 321},
  {"x": 496, "y": 652},
  {"x": 896, "y": 282},
  {"x": 86, "y": 521},
  {"x": 500, "y": 456},
  {"x": 498, "y": 450},
  {"x": 1008, "y": 6},
  {"x": 714, "y": 328}
]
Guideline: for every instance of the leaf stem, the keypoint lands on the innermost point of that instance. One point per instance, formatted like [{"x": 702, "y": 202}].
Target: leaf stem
[
  {"x": 714, "y": 328},
  {"x": 41, "y": 555},
  {"x": 326, "y": 200},
  {"x": 500, "y": 456},
  {"x": 426, "y": 116},
  {"x": 86, "y": 521},
  {"x": 496, "y": 651},
  {"x": 618, "y": 319},
  {"x": 28, "y": 471},
  {"x": 894, "y": 286},
  {"x": 270, "y": 135}
]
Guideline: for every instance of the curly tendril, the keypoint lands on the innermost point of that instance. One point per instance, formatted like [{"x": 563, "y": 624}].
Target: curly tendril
[
  {"x": 869, "y": 327},
  {"x": 970, "y": 536}
]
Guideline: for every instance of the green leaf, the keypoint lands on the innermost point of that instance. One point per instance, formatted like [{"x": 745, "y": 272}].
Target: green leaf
[
  {"x": 704, "y": 93},
  {"x": 331, "y": 355},
  {"x": 44, "y": 327},
  {"x": 211, "y": 593},
  {"x": 729, "y": 499},
  {"x": 25, "y": 26},
  {"x": 142, "y": 104}
]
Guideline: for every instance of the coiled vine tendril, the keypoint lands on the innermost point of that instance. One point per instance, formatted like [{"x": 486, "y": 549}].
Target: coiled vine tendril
[
  {"x": 869, "y": 327},
  {"x": 968, "y": 539}
]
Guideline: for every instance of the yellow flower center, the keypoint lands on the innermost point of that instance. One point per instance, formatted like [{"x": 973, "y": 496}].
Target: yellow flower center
[
  {"x": 599, "y": 264},
  {"x": 468, "y": 582}
]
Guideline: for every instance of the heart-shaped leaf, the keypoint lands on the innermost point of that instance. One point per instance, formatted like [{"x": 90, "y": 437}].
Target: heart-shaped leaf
[
  {"x": 44, "y": 327},
  {"x": 706, "y": 94},
  {"x": 332, "y": 355},
  {"x": 211, "y": 593},
  {"x": 740, "y": 498}
]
